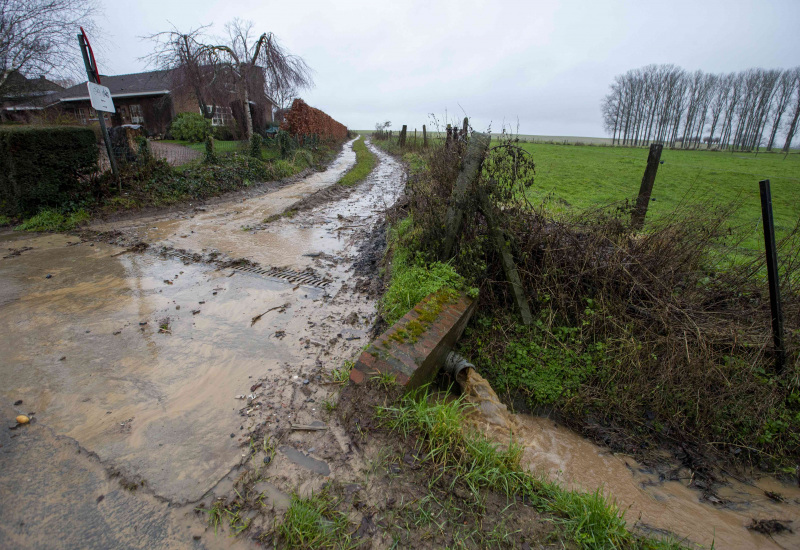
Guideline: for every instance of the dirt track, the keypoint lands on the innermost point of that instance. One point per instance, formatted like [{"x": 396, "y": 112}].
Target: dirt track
[{"x": 147, "y": 374}]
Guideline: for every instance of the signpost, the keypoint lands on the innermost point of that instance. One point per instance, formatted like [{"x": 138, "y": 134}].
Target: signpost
[{"x": 100, "y": 98}]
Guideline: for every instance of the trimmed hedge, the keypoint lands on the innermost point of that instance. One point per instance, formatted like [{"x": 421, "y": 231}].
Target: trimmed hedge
[{"x": 44, "y": 166}]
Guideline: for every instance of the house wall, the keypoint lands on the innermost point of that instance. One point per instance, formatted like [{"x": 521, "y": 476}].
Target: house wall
[{"x": 157, "y": 112}]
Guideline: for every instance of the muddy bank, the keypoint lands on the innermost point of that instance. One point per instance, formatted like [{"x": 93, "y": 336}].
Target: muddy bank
[{"x": 658, "y": 501}]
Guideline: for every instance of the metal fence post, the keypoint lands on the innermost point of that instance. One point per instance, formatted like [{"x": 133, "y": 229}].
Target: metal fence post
[{"x": 772, "y": 275}]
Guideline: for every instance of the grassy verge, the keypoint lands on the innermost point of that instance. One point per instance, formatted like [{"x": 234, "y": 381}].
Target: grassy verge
[
  {"x": 412, "y": 278},
  {"x": 458, "y": 455},
  {"x": 365, "y": 162},
  {"x": 53, "y": 220}
]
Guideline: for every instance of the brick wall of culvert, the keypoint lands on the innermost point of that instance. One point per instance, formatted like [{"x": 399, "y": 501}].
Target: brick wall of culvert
[{"x": 415, "y": 347}]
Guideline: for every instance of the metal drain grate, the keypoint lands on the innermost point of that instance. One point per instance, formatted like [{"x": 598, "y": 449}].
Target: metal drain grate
[
  {"x": 178, "y": 255},
  {"x": 303, "y": 278}
]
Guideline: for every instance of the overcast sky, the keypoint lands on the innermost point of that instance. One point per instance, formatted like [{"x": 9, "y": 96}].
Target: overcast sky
[{"x": 544, "y": 64}]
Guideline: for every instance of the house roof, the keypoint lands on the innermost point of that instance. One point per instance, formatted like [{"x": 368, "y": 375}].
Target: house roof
[
  {"x": 149, "y": 83},
  {"x": 18, "y": 87}
]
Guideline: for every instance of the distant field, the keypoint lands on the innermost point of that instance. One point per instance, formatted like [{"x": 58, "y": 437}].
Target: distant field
[
  {"x": 562, "y": 139},
  {"x": 586, "y": 176},
  {"x": 522, "y": 137}
]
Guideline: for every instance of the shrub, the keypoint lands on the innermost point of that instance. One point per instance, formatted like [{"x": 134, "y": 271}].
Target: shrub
[
  {"x": 255, "y": 146},
  {"x": 211, "y": 152},
  {"x": 190, "y": 127},
  {"x": 226, "y": 133},
  {"x": 44, "y": 166}
]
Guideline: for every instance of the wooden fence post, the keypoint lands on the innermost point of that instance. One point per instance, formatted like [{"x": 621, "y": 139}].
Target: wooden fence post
[
  {"x": 403, "y": 136},
  {"x": 643, "y": 200},
  {"x": 470, "y": 170},
  {"x": 506, "y": 257},
  {"x": 424, "y": 137},
  {"x": 772, "y": 275}
]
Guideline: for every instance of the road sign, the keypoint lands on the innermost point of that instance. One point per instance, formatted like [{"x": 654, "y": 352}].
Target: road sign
[{"x": 100, "y": 97}]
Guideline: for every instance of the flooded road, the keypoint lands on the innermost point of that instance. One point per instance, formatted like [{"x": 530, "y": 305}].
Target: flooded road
[
  {"x": 152, "y": 369},
  {"x": 654, "y": 503}
]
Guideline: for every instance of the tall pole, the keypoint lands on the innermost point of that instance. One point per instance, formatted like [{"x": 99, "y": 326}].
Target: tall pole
[
  {"x": 772, "y": 275},
  {"x": 91, "y": 73}
]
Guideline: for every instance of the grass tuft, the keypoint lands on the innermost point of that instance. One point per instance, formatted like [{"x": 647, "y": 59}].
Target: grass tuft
[{"x": 314, "y": 523}]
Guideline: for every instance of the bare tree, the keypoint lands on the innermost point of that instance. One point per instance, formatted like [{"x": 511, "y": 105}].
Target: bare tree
[
  {"x": 258, "y": 62},
  {"x": 663, "y": 103},
  {"x": 38, "y": 37},
  {"x": 795, "y": 114},
  {"x": 785, "y": 90},
  {"x": 285, "y": 97},
  {"x": 185, "y": 55}
]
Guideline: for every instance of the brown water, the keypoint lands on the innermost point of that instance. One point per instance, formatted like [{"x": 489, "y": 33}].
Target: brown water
[
  {"x": 650, "y": 504},
  {"x": 133, "y": 362}
]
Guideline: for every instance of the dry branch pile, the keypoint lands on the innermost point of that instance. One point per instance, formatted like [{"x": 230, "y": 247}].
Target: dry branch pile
[{"x": 303, "y": 120}]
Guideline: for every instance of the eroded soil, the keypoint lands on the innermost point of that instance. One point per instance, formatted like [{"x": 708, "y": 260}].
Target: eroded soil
[{"x": 154, "y": 372}]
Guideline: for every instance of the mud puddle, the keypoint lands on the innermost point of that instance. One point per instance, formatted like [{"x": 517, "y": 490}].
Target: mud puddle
[
  {"x": 654, "y": 502},
  {"x": 165, "y": 370},
  {"x": 227, "y": 228}
]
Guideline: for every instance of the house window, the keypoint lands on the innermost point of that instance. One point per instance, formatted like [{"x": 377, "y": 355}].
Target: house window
[
  {"x": 222, "y": 116},
  {"x": 82, "y": 117},
  {"x": 136, "y": 114}
]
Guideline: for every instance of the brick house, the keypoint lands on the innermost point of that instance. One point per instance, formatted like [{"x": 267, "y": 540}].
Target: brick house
[
  {"x": 23, "y": 98},
  {"x": 153, "y": 98}
]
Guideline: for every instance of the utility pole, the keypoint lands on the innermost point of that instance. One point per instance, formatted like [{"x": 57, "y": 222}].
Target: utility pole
[{"x": 94, "y": 77}]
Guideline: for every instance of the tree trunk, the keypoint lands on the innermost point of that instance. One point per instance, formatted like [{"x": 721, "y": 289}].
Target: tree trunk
[
  {"x": 792, "y": 126},
  {"x": 247, "y": 116}
]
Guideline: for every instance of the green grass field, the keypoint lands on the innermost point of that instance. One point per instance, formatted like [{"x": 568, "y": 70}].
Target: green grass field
[{"x": 585, "y": 176}]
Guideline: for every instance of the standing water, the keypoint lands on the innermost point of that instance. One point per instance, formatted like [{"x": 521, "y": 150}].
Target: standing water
[{"x": 651, "y": 503}]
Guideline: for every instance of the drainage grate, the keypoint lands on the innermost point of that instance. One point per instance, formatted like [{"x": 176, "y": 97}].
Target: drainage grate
[
  {"x": 178, "y": 255},
  {"x": 303, "y": 278}
]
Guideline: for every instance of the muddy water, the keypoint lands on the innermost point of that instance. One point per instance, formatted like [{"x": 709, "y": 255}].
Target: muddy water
[
  {"x": 227, "y": 227},
  {"x": 152, "y": 368},
  {"x": 651, "y": 503}
]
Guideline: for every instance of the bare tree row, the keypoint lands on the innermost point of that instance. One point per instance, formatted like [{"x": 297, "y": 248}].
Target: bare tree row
[{"x": 666, "y": 104}]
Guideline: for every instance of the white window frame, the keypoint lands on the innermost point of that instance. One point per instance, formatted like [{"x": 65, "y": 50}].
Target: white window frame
[
  {"x": 137, "y": 117},
  {"x": 220, "y": 116}
]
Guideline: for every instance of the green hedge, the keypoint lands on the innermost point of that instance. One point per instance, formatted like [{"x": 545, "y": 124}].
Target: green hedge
[{"x": 41, "y": 166}]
